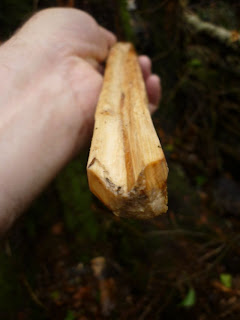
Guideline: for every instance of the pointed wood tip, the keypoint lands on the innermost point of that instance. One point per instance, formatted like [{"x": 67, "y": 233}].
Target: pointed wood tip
[
  {"x": 147, "y": 199},
  {"x": 126, "y": 169}
]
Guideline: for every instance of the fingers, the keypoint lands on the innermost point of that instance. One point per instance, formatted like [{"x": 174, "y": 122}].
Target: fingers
[
  {"x": 97, "y": 43},
  {"x": 68, "y": 31},
  {"x": 153, "y": 87},
  {"x": 110, "y": 37},
  {"x": 104, "y": 40},
  {"x": 152, "y": 82},
  {"x": 146, "y": 66},
  {"x": 94, "y": 41}
]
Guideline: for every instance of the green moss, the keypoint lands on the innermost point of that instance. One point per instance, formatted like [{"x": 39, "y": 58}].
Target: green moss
[{"x": 125, "y": 18}]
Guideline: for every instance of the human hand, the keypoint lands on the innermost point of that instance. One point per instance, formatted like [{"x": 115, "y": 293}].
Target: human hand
[{"x": 48, "y": 98}]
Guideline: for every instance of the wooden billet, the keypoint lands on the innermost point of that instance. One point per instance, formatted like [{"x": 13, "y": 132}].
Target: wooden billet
[{"x": 126, "y": 168}]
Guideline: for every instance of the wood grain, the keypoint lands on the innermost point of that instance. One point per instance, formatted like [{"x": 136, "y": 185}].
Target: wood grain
[{"x": 126, "y": 169}]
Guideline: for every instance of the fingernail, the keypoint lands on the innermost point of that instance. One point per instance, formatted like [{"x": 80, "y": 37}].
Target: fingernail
[{"x": 152, "y": 108}]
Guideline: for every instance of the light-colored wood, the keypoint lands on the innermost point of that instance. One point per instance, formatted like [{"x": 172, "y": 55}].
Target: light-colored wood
[{"x": 126, "y": 168}]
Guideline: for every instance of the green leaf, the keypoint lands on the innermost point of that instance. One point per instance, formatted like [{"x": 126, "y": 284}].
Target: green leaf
[
  {"x": 226, "y": 279},
  {"x": 190, "y": 299},
  {"x": 200, "y": 180},
  {"x": 125, "y": 17},
  {"x": 195, "y": 63},
  {"x": 70, "y": 316}
]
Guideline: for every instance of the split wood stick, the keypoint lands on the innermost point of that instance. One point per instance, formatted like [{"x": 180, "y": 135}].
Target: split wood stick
[{"x": 126, "y": 168}]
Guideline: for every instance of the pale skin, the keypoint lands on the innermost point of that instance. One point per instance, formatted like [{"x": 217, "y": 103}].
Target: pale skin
[{"x": 50, "y": 81}]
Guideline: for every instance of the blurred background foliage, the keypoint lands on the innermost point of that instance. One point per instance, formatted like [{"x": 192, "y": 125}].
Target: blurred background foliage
[{"x": 182, "y": 265}]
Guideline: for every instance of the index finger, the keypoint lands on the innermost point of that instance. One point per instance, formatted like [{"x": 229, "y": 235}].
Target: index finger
[{"x": 110, "y": 37}]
